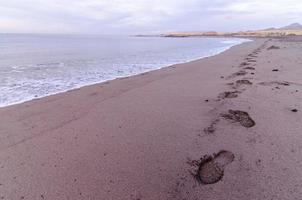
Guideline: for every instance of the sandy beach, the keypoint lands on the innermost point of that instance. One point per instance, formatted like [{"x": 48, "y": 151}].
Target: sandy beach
[{"x": 157, "y": 135}]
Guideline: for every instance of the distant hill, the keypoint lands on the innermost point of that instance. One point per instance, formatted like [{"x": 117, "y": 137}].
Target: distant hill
[
  {"x": 294, "y": 26},
  {"x": 294, "y": 29},
  {"x": 269, "y": 29}
]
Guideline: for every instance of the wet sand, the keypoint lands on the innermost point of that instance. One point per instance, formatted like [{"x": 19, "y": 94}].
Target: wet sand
[{"x": 224, "y": 127}]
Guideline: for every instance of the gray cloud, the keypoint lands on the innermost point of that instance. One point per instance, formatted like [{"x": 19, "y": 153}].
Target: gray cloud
[{"x": 144, "y": 16}]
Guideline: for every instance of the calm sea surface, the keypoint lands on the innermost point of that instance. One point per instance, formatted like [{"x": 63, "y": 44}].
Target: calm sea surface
[{"x": 33, "y": 66}]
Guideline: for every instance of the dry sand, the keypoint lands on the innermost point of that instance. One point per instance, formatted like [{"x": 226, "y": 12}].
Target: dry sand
[{"x": 141, "y": 138}]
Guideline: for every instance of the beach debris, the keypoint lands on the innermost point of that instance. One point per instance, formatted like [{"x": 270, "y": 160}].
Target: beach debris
[
  {"x": 294, "y": 110},
  {"x": 211, "y": 168},
  {"x": 240, "y": 116},
  {"x": 275, "y": 70},
  {"x": 273, "y": 47},
  {"x": 258, "y": 162}
]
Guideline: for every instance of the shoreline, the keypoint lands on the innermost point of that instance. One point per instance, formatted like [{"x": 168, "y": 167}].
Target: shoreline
[
  {"x": 150, "y": 135},
  {"x": 104, "y": 81}
]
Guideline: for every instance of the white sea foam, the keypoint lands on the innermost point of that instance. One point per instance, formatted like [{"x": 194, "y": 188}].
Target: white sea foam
[{"x": 37, "y": 66}]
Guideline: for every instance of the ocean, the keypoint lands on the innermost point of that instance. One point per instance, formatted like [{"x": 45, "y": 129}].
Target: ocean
[{"x": 37, "y": 65}]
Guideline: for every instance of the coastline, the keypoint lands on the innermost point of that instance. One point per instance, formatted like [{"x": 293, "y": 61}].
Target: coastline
[
  {"x": 213, "y": 52},
  {"x": 141, "y": 137}
]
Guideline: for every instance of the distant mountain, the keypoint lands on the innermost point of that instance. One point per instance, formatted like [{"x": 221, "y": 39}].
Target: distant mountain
[{"x": 294, "y": 26}]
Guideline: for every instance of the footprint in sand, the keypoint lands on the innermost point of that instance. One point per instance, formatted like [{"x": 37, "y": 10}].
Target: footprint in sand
[
  {"x": 243, "y": 82},
  {"x": 250, "y": 60},
  {"x": 252, "y": 56},
  {"x": 243, "y": 64},
  {"x": 250, "y": 68},
  {"x": 225, "y": 95},
  {"x": 273, "y": 47},
  {"x": 211, "y": 168},
  {"x": 240, "y": 116},
  {"x": 239, "y": 73},
  {"x": 284, "y": 83},
  {"x": 239, "y": 83},
  {"x": 212, "y": 128}
]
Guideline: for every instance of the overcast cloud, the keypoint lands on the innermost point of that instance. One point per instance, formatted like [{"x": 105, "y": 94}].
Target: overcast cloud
[{"x": 144, "y": 16}]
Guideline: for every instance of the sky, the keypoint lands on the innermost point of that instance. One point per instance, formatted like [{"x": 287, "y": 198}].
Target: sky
[{"x": 144, "y": 16}]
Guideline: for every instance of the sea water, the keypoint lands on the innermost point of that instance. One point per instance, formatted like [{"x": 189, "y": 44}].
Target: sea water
[{"x": 38, "y": 65}]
